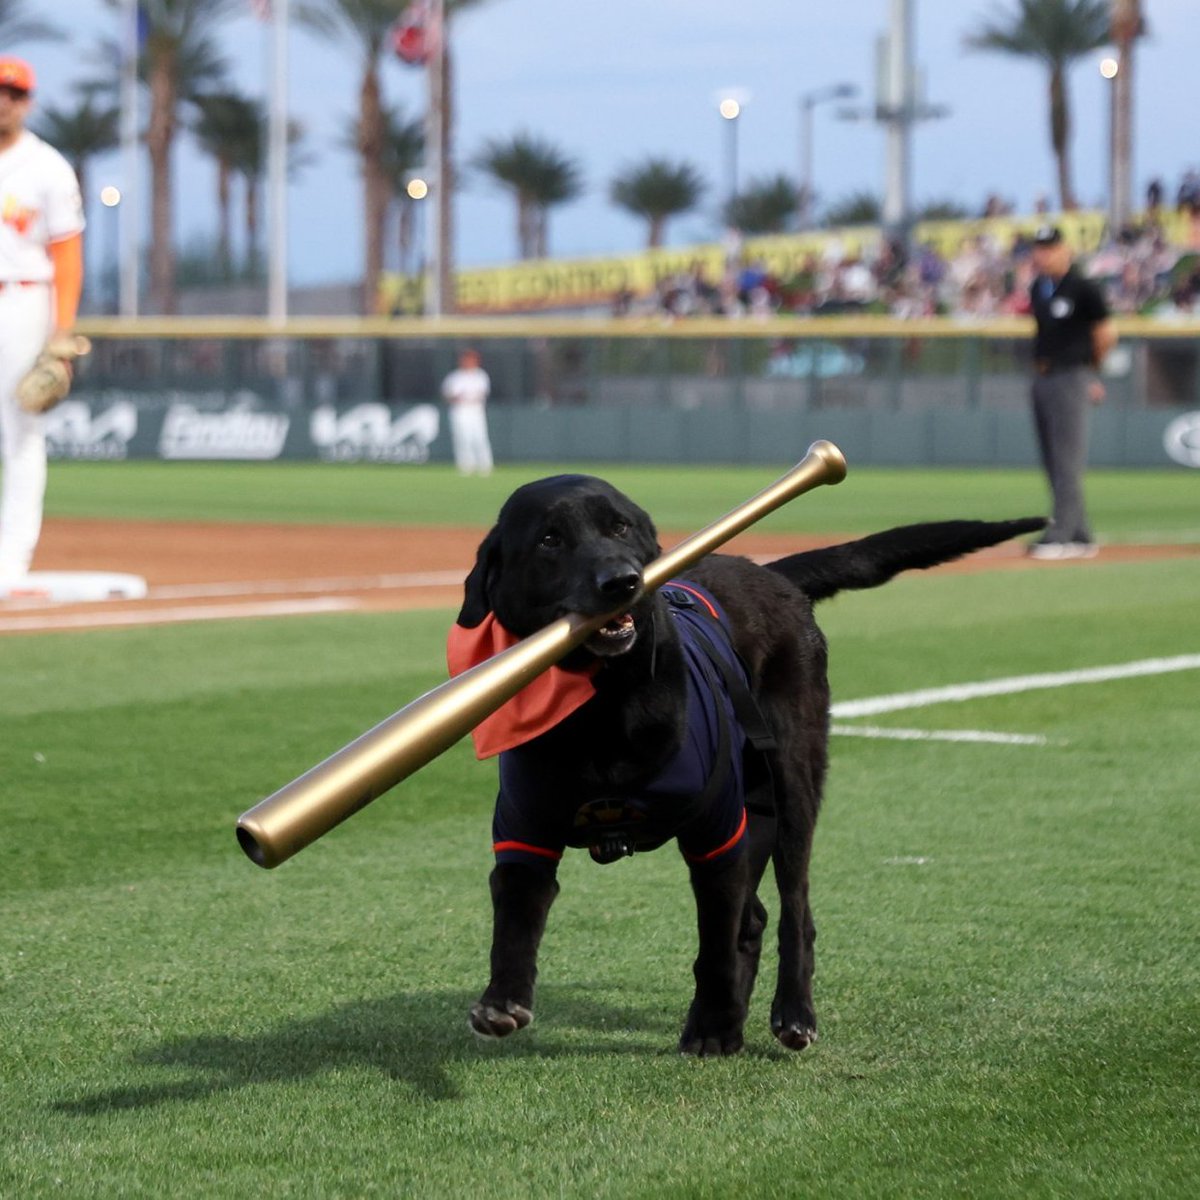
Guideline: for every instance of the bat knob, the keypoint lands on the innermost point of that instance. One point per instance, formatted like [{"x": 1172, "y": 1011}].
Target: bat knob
[{"x": 832, "y": 457}]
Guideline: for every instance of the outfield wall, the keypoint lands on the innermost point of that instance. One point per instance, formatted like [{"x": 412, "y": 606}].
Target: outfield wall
[{"x": 919, "y": 393}]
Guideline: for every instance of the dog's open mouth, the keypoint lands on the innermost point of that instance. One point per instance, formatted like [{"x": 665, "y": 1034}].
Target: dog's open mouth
[{"x": 613, "y": 637}]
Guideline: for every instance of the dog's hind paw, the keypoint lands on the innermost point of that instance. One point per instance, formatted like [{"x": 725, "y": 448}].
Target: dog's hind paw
[
  {"x": 794, "y": 1036},
  {"x": 491, "y": 1021}
]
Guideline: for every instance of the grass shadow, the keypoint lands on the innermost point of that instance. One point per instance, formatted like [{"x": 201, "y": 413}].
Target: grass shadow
[{"x": 411, "y": 1037}]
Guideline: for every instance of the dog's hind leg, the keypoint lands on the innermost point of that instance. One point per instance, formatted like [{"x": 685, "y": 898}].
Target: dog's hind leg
[
  {"x": 521, "y": 900},
  {"x": 718, "y": 1014},
  {"x": 793, "y": 1019},
  {"x": 760, "y": 841}
]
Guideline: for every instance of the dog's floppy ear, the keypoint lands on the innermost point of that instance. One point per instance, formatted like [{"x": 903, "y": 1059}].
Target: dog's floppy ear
[{"x": 477, "y": 590}]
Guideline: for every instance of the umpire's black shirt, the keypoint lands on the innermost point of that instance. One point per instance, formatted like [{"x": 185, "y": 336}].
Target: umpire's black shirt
[{"x": 1065, "y": 313}]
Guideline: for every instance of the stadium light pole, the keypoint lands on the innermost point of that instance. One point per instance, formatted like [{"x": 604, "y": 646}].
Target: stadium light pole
[
  {"x": 899, "y": 106},
  {"x": 809, "y": 101},
  {"x": 277, "y": 147},
  {"x": 730, "y": 103},
  {"x": 730, "y": 111},
  {"x": 110, "y": 197},
  {"x": 441, "y": 182},
  {"x": 128, "y": 212}
]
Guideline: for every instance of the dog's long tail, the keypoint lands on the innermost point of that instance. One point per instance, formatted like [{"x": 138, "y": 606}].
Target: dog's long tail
[{"x": 873, "y": 560}]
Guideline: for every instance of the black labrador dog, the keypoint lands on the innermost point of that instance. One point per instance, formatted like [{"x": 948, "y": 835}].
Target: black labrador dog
[{"x": 668, "y": 740}]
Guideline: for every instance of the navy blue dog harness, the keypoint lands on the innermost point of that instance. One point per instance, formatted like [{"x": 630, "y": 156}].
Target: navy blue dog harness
[{"x": 700, "y": 796}]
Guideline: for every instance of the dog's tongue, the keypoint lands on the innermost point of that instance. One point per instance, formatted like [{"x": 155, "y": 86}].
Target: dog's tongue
[{"x": 621, "y": 624}]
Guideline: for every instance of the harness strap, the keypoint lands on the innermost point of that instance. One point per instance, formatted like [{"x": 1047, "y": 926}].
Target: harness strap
[{"x": 759, "y": 780}]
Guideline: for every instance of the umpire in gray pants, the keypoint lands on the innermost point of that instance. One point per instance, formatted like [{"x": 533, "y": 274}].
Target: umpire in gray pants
[{"x": 1074, "y": 333}]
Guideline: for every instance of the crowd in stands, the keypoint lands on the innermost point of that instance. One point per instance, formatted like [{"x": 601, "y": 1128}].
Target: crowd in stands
[{"x": 1142, "y": 268}]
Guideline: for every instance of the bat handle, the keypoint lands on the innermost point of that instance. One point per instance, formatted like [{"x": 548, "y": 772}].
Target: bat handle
[{"x": 823, "y": 464}]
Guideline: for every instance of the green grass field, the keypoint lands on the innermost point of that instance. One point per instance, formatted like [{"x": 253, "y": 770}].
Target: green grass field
[
  {"x": 1126, "y": 505},
  {"x": 1008, "y": 978}
]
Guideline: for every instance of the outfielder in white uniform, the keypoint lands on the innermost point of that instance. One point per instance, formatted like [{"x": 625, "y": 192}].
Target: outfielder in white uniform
[
  {"x": 466, "y": 391},
  {"x": 41, "y": 273}
]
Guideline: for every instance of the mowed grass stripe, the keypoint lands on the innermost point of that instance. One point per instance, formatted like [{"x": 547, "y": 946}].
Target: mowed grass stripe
[{"x": 1126, "y": 505}]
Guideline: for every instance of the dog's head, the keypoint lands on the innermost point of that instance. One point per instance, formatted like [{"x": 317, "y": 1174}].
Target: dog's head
[{"x": 567, "y": 544}]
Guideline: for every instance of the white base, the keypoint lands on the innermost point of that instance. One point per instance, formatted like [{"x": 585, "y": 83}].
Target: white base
[{"x": 74, "y": 587}]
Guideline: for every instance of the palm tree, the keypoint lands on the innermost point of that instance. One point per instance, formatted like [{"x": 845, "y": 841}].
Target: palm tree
[
  {"x": 250, "y": 161},
  {"x": 81, "y": 132},
  {"x": 365, "y": 26},
  {"x": 764, "y": 206},
  {"x": 1056, "y": 33},
  {"x": 539, "y": 175},
  {"x": 657, "y": 190},
  {"x": 943, "y": 210},
  {"x": 1126, "y": 25},
  {"x": 442, "y": 116},
  {"x": 404, "y": 153},
  {"x": 859, "y": 208},
  {"x": 16, "y": 26},
  {"x": 179, "y": 61},
  {"x": 224, "y": 122}
]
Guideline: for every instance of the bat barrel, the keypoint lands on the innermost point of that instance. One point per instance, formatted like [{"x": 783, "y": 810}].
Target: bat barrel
[{"x": 335, "y": 789}]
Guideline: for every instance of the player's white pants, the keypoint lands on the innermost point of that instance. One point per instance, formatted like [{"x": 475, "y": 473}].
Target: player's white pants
[
  {"x": 469, "y": 433},
  {"x": 24, "y": 327}
]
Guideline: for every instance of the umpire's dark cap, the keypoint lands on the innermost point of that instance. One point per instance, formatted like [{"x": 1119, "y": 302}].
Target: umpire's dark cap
[{"x": 1047, "y": 235}]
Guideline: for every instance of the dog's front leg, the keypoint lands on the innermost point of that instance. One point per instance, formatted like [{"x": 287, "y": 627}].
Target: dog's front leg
[
  {"x": 521, "y": 899},
  {"x": 718, "y": 1014}
]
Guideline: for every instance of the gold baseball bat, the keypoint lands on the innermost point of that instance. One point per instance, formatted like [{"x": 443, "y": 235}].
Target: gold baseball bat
[{"x": 310, "y": 806}]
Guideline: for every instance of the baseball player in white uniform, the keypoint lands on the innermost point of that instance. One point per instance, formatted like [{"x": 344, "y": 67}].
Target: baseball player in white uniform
[
  {"x": 466, "y": 391},
  {"x": 41, "y": 274}
]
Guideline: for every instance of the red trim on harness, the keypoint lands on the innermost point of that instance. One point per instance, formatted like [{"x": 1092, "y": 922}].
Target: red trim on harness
[
  {"x": 683, "y": 587},
  {"x": 729, "y": 845},
  {"x": 526, "y": 848}
]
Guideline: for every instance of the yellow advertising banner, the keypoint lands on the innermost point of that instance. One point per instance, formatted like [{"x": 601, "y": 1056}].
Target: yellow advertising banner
[{"x": 541, "y": 285}]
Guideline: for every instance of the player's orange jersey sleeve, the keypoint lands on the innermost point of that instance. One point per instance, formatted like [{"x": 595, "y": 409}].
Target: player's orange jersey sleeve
[{"x": 67, "y": 258}]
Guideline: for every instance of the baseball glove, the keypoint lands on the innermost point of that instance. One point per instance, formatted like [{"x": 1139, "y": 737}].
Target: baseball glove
[{"x": 48, "y": 381}]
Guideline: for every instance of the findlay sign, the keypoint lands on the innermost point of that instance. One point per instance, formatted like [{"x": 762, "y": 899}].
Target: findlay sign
[{"x": 112, "y": 425}]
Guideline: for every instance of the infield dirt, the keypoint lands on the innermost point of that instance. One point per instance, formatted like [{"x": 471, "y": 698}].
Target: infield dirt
[{"x": 201, "y": 570}]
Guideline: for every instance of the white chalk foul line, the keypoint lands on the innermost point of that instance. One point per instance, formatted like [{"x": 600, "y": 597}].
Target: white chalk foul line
[
  {"x": 957, "y": 693},
  {"x": 292, "y": 587},
  {"x": 166, "y": 616},
  {"x": 984, "y": 736}
]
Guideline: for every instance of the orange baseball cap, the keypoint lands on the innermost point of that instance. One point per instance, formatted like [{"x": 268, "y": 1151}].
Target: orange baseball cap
[{"x": 16, "y": 73}]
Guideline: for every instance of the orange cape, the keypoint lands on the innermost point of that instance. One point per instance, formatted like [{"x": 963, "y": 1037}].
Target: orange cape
[{"x": 538, "y": 706}]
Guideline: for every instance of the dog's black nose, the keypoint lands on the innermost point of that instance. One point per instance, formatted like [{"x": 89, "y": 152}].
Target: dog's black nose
[{"x": 618, "y": 583}]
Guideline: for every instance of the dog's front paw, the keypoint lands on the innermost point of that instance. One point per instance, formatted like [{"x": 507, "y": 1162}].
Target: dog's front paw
[
  {"x": 706, "y": 1036},
  {"x": 499, "y": 1019}
]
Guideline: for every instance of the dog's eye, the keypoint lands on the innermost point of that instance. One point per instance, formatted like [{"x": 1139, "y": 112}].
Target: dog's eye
[
  {"x": 620, "y": 528},
  {"x": 550, "y": 541}
]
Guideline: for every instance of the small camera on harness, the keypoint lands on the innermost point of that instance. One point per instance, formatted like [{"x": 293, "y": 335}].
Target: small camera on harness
[{"x": 610, "y": 847}]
